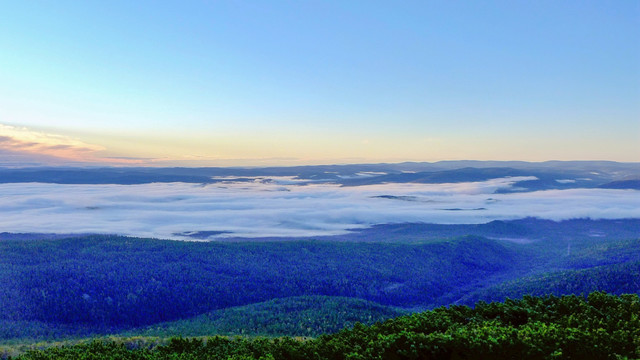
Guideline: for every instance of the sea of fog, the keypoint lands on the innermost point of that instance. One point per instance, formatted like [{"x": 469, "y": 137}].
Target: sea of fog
[{"x": 281, "y": 207}]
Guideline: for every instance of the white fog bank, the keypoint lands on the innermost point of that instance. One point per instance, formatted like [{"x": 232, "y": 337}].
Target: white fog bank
[{"x": 259, "y": 209}]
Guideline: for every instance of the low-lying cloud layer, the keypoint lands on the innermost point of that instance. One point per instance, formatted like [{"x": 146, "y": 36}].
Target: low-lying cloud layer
[{"x": 282, "y": 208}]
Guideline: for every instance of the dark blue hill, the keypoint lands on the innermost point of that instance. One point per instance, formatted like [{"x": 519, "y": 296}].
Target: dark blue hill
[
  {"x": 622, "y": 184},
  {"x": 550, "y": 175}
]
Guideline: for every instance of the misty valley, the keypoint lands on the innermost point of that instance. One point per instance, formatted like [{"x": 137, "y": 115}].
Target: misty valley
[
  {"x": 319, "y": 180},
  {"x": 318, "y": 253}
]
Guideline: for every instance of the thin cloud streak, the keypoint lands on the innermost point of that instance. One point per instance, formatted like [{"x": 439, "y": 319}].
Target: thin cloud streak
[
  {"x": 21, "y": 145},
  {"x": 24, "y": 147},
  {"x": 21, "y": 139},
  {"x": 283, "y": 209}
]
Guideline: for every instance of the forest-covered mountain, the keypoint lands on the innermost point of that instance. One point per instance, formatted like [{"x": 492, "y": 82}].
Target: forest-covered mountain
[
  {"x": 86, "y": 285},
  {"x": 307, "y": 316},
  {"x": 599, "y": 327}
]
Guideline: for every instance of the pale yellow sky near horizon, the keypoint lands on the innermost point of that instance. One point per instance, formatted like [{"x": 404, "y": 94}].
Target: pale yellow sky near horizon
[{"x": 267, "y": 149}]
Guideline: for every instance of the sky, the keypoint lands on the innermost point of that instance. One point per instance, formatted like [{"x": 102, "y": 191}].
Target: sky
[{"x": 250, "y": 83}]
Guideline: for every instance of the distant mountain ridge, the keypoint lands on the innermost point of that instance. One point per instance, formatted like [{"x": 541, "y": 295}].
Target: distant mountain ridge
[
  {"x": 622, "y": 184},
  {"x": 550, "y": 174}
]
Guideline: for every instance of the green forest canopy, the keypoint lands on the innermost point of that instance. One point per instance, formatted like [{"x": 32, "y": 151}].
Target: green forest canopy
[{"x": 601, "y": 326}]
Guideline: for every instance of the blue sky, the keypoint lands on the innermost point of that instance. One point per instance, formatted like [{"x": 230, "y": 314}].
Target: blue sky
[{"x": 294, "y": 82}]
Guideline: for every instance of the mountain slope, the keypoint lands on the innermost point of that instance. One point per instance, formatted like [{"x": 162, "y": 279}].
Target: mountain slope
[
  {"x": 600, "y": 326},
  {"x": 296, "y": 316},
  {"x": 126, "y": 282},
  {"x": 616, "y": 279}
]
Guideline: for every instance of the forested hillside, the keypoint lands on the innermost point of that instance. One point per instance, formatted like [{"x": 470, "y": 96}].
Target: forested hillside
[
  {"x": 572, "y": 327},
  {"x": 307, "y": 316},
  {"x": 125, "y": 282},
  {"x": 617, "y": 278},
  {"x": 75, "y": 287}
]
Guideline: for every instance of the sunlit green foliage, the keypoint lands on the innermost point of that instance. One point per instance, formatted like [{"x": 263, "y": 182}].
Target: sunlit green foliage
[{"x": 602, "y": 326}]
